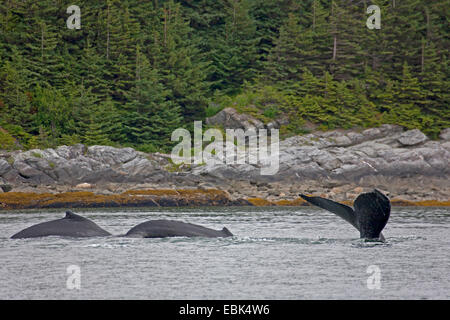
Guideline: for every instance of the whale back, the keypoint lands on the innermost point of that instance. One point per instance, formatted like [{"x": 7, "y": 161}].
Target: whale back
[
  {"x": 372, "y": 210},
  {"x": 72, "y": 225},
  {"x": 170, "y": 228}
]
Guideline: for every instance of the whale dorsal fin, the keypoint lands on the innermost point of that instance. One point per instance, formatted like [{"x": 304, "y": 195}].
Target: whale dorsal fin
[
  {"x": 227, "y": 232},
  {"x": 343, "y": 211},
  {"x": 73, "y": 216}
]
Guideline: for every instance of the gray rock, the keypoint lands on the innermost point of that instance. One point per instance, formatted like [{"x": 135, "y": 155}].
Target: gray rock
[
  {"x": 31, "y": 174},
  {"x": 329, "y": 164},
  {"x": 295, "y": 156},
  {"x": 138, "y": 167},
  {"x": 356, "y": 137},
  {"x": 310, "y": 171},
  {"x": 377, "y": 157},
  {"x": 432, "y": 144},
  {"x": 389, "y": 129},
  {"x": 343, "y": 141},
  {"x": 408, "y": 168},
  {"x": 71, "y": 152},
  {"x": 445, "y": 134},
  {"x": 40, "y": 164},
  {"x": 391, "y": 154},
  {"x": 111, "y": 155},
  {"x": 351, "y": 172},
  {"x": 13, "y": 177},
  {"x": 229, "y": 118},
  {"x": 446, "y": 145},
  {"x": 25, "y": 170},
  {"x": 412, "y": 137},
  {"x": 4, "y": 167},
  {"x": 372, "y": 133},
  {"x": 438, "y": 158},
  {"x": 73, "y": 171}
]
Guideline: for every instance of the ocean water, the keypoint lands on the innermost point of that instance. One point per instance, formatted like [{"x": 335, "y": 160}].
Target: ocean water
[{"x": 276, "y": 253}]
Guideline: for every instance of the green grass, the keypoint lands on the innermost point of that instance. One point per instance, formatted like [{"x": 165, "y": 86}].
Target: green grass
[
  {"x": 7, "y": 142},
  {"x": 213, "y": 109}
]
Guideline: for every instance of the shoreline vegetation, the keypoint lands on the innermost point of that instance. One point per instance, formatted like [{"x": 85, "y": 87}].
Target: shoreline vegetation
[
  {"x": 159, "y": 198},
  {"x": 87, "y": 115}
]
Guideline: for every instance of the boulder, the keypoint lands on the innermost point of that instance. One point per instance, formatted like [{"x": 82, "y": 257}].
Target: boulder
[
  {"x": 84, "y": 185},
  {"x": 356, "y": 137},
  {"x": 111, "y": 155},
  {"x": 445, "y": 134},
  {"x": 71, "y": 152},
  {"x": 343, "y": 141},
  {"x": 412, "y": 137},
  {"x": 372, "y": 133},
  {"x": 229, "y": 118},
  {"x": 4, "y": 167}
]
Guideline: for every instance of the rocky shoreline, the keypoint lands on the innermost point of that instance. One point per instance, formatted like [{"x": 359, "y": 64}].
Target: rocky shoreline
[
  {"x": 338, "y": 164},
  {"x": 156, "y": 198}
]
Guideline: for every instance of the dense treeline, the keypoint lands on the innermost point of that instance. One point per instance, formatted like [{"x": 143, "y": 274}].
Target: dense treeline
[{"x": 138, "y": 69}]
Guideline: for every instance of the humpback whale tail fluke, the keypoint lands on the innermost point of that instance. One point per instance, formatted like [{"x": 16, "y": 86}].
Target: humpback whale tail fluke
[{"x": 370, "y": 214}]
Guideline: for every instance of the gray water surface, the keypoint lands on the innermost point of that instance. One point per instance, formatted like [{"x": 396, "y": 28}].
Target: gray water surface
[{"x": 277, "y": 253}]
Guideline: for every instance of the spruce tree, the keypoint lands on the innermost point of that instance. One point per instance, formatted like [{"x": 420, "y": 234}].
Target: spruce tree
[
  {"x": 237, "y": 51},
  {"x": 179, "y": 64},
  {"x": 40, "y": 52},
  {"x": 149, "y": 117},
  {"x": 284, "y": 61},
  {"x": 347, "y": 23},
  {"x": 408, "y": 96},
  {"x": 15, "y": 99},
  {"x": 268, "y": 16}
]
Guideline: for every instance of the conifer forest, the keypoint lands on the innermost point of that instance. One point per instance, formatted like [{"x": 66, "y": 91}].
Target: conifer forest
[{"x": 136, "y": 70}]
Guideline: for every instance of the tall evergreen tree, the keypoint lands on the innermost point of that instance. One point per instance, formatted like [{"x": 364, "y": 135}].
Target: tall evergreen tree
[
  {"x": 405, "y": 109},
  {"x": 178, "y": 63},
  {"x": 149, "y": 117}
]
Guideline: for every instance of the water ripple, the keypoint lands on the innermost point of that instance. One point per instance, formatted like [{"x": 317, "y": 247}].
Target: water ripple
[{"x": 276, "y": 253}]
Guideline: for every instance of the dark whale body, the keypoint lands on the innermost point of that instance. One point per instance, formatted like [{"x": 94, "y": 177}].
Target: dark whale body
[
  {"x": 170, "y": 228},
  {"x": 370, "y": 214},
  {"x": 71, "y": 225}
]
